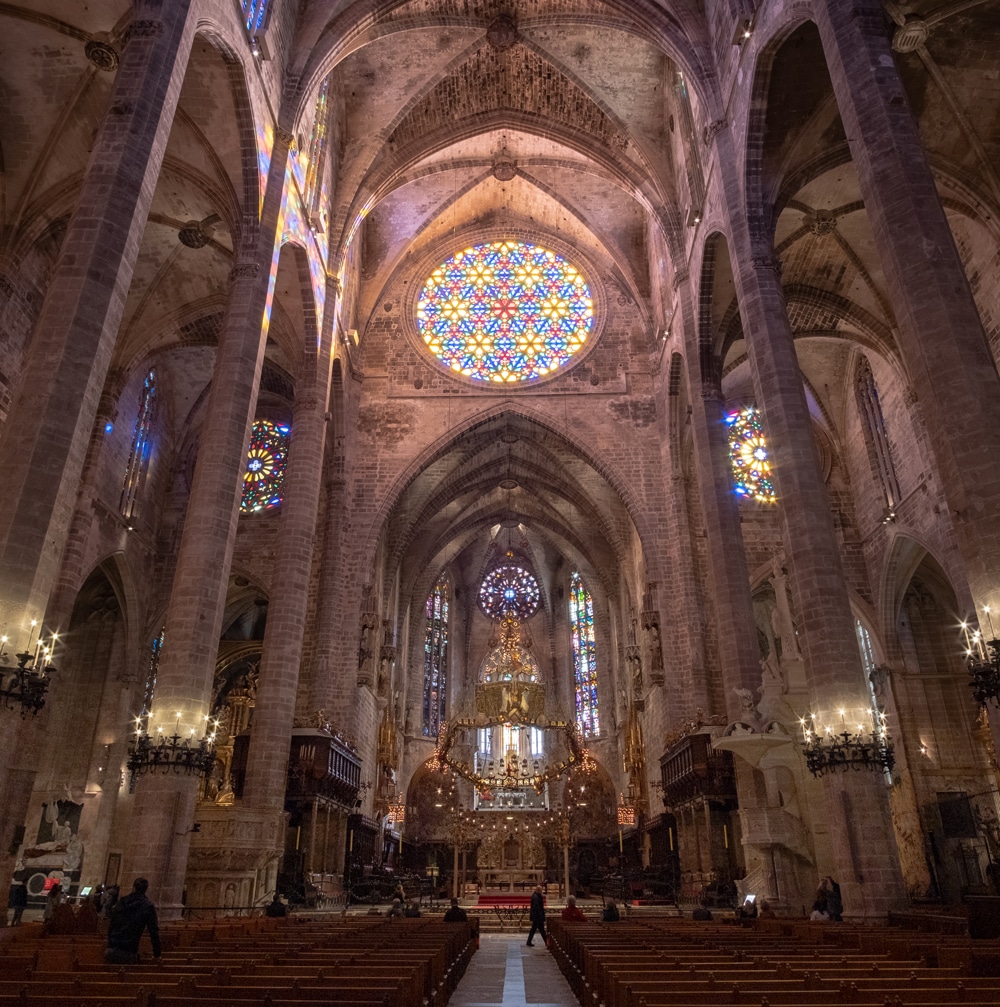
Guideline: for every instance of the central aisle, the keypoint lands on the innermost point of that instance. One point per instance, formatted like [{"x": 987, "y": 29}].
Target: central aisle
[{"x": 505, "y": 972}]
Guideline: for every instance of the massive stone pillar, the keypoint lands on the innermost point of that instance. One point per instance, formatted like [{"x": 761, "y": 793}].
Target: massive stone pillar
[
  {"x": 164, "y": 804},
  {"x": 728, "y": 576},
  {"x": 45, "y": 438},
  {"x": 945, "y": 348},
  {"x": 279, "y": 671},
  {"x": 849, "y": 811}
]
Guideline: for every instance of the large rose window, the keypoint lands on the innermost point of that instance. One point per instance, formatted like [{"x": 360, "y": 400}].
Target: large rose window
[{"x": 505, "y": 312}]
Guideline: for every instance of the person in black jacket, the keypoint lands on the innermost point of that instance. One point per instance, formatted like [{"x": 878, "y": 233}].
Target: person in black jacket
[
  {"x": 537, "y": 916},
  {"x": 18, "y": 901},
  {"x": 129, "y": 918}
]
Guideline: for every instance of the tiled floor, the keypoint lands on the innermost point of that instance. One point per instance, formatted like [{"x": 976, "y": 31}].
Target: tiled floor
[{"x": 505, "y": 972}]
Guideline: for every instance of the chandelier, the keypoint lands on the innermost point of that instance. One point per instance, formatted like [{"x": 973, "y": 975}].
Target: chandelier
[
  {"x": 829, "y": 751},
  {"x": 26, "y": 685},
  {"x": 509, "y": 696},
  {"x": 984, "y": 664},
  {"x": 173, "y": 753}
]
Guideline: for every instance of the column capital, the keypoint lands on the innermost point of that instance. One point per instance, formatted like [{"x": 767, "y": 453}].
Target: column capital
[
  {"x": 244, "y": 271},
  {"x": 286, "y": 136},
  {"x": 144, "y": 28},
  {"x": 766, "y": 260},
  {"x": 680, "y": 276}
]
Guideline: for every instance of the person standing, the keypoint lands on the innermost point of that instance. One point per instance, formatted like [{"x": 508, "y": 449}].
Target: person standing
[
  {"x": 129, "y": 918},
  {"x": 537, "y": 916},
  {"x": 18, "y": 902},
  {"x": 834, "y": 900},
  {"x": 54, "y": 899}
]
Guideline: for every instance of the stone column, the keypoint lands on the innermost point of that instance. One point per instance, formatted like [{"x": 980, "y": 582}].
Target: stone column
[
  {"x": 728, "y": 576},
  {"x": 164, "y": 804},
  {"x": 45, "y": 439},
  {"x": 851, "y": 808},
  {"x": 267, "y": 761},
  {"x": 944, "y": 345}
]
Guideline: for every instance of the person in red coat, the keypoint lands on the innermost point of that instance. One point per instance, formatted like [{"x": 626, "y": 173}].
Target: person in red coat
[{"x": 572, "y": 913}]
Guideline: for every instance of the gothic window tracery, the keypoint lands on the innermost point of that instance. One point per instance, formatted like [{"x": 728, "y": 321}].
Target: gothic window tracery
[
  {"x": 581, "y": 618},
  {"x": 138, "y": 461},
  {"x": 267, "y": 457},
  {"x": 509, "y": 590},
  {"x": 317, "y": 148},
  {"x": 436, "y": 659},
  {"x": 749, "y": 455},
  {"x": 254, "y": 15},
  {"x": 505, "y": 312},
  {"x": 876, "y": 437}
]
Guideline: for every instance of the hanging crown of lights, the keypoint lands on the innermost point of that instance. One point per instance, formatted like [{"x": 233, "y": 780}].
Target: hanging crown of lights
[{"x": 510, "y": 693}]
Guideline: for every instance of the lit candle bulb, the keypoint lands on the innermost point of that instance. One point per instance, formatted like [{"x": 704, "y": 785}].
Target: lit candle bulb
[
  {"x": 968, "y": 642},
  {"x": 989, "y": 619}
]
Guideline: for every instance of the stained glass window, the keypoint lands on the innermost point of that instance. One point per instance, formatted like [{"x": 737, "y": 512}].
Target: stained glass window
[
  {"x": 748, "y": 455},
  {"x": 138, "y": 461},
  {"x": 254, "y": 15},
  {"x": 317, "y": 145},
  {"x": 581, "y": 620},
  {"x": 266, "y": 460},
  {"x": 505, "y": 312},
  {"x": 876, "y": 438},
  {"x": 509, "y": 590},
  {"x": 436, "y": 659}
]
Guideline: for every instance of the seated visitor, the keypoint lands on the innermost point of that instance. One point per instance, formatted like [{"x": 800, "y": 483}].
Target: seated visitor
[
  {"x": 412, "y": 911},
  {"x": 702, "y": 912},
  {"x": 276, "y": 908},
  {"x": 456, "y": 914},
  {"x": 396, "y": 909},
  {"x": 610, "y": 914},
  {"x": 572, "y": 912}
]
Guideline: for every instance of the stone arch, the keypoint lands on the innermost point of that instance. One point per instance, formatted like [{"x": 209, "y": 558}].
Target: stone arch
[
  {"x": 523, "y": 411},
  {"x": 644, "y": 18},
  {"x": 759, "y": 201}
]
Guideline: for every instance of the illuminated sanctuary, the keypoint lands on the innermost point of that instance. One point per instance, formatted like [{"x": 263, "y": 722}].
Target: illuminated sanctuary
[{"x": 498, "y": 442}]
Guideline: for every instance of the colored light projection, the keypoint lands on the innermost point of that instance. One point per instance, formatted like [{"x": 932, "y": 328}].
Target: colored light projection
[
  {"x": 509, "y": 590},
  {"x": 436, "y": 659},
  {"x": 581, "y": 620},
  {"x": 254, "y": 13},
  {"x": 505, "y": 312},
  {"x": 266, "y": 460},
  {"x": 748, "y": 455}
]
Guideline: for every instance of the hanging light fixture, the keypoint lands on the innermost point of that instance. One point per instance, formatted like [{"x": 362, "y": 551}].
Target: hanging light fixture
[
  {"x": 983, "y": 663},
  {"x": 867, "y": 748},
  {"x": 171, "y": 753},
  {"x": 24, "y": 687}
]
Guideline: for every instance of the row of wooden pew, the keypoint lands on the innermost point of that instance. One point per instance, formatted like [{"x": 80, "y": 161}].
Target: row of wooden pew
[
  {"x": 353, "y": 962},
  {"x": 672, "y": 962}
]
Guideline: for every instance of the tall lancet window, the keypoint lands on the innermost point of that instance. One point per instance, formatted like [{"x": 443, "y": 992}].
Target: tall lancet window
[
  {"x": 254, "y": 15},
  {"x": 581, "y": 619},
  {"x": 876, "y": 438},
  {"x": 317, "y": 151},
  {"x": 138, "y": 460},
  {"x": 436, "y": 659}
]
